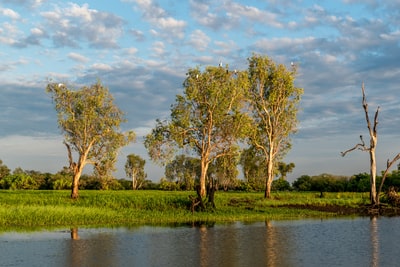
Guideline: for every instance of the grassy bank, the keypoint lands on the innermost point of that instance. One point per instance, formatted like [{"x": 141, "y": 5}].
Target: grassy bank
[{"x": 47, "y": 209}]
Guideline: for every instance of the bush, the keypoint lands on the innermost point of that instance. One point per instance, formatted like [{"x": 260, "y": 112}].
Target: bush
[
  {"x": 303, "y": 183},
  {"x": 280, "y": 185},
  {"x": 18, "y": 181}
]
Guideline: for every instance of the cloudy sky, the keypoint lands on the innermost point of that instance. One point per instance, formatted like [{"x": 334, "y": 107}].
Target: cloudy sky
[{"x": 141, "y": 49}]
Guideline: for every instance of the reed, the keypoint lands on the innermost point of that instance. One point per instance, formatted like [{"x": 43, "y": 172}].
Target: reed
[{"x": 49, "y": 209}]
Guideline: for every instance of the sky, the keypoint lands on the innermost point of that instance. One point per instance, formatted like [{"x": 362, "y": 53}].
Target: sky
[{"x": 141, "y": 50}]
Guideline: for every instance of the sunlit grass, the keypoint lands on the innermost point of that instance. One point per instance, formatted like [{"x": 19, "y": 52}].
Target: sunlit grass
[{"x": 25, "y": 209}]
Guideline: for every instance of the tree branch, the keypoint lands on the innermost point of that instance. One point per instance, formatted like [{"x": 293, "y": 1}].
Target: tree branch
[
  {"x": 360, "y": 146},
  {"x": 72, "y": 164},
  {"x": 389, "y": 164}
]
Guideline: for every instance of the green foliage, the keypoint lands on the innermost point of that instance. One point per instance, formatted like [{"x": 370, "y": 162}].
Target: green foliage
[
  {"x": 283, "y": 169},
  {"x": 280, "y": 185},
  {"x": 169, "y": 185},
  {"x": 303, "y": 183},
  {"x": 134, "y": 169},
  {"x": 328, "y": 183},
  {"x": 47, "y": 209},
  {"x": 183, "y": 170},
  {"x": 253, "y": 168},
  {"x": 273, "y": 101},
  {"x": 359, "y": 183},
  {"x": 4, "y": 170},
  {"x": 91, "y": 123},
  {"x": 207, "y": 119},
  {"x": 223, "y": 170},
  {"x": 62, "y": 183},
  {"x": 18, "y": 181}
]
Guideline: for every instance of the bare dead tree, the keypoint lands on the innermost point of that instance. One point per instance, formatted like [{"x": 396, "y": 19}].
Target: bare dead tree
[{"x": 371, "y": 149}]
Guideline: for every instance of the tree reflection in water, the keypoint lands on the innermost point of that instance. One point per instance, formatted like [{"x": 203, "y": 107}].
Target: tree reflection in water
[
  {"x": 334, "y": 242},
  {"x": 98, "y": 250},
  {"x": 74, "y": 234},
  {"x": 374, "y": 241}
]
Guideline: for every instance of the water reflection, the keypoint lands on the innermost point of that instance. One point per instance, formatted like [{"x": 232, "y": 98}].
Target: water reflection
[
  {"x": 374, "y": 241},
  {"x": 74, "y": 234},
  {"x": 342, "y": 242},
  {"x": 98, "y": 250}
]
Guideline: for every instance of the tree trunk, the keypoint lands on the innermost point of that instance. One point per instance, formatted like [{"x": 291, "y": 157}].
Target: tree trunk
[
  {"x": 75, "y": 186},
  {"x": 267, "y": 193},
  {"x": 74, "y": 234},
  {"x": 270, "y": 176},
  {"x": 133, "y": 180},
  {"x": 204, "y": 168},
  {"x": 75, "y": 180},
  {"x": 373, "y": 195}
]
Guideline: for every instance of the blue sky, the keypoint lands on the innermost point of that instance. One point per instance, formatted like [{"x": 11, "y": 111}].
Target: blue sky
[{"x": 141, "y": 49}]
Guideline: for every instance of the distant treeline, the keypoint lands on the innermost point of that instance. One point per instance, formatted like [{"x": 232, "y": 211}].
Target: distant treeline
[{"x": 23, "y": 179}]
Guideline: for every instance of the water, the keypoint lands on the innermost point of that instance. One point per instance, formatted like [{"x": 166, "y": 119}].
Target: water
[{"x": 333, "y": 242}]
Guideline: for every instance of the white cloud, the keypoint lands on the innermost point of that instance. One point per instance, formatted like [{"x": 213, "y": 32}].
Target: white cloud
[
  {"x": 142, "y": 49},
  {"x": 199, "y": 40},
  {"x": 101, "y": 67},
  {"x": 78, "y": 57},
  {"x": 71, "y": 25},
  {"x": 168, "y": 26},
  {"x": 237, "y": 11},
  {"x": 7, "y": 12},
  {"x": 159, "y": 49}
]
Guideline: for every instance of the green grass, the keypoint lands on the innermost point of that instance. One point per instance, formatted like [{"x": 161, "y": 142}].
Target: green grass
[{"x": 49, "y": 209}]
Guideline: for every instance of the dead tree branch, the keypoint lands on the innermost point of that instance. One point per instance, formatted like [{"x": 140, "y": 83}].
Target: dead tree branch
[
  {"x": 361, "y": 146},
  {"x": 72, "y": 164},
  {"x": 389, "y": 164}
]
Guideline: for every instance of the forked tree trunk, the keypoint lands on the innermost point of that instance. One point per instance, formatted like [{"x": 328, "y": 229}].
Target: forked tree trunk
[{"x": 77, "y": 169}]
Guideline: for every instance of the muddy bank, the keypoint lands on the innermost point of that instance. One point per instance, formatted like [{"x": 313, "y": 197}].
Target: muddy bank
[{"x": 343, "y": 210}]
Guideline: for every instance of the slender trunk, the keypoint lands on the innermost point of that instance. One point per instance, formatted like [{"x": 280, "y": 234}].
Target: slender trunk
[
  {"x": 373, "y": 195},
  {"x": 203, "y": 175},
  {"x": 270, "y": 176},
  {"x": 267, "y": 193},
  {"x": 133, "y": 181}
]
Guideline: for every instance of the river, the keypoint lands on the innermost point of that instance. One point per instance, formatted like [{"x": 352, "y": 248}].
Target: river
[{"x": 328, "y": 242}]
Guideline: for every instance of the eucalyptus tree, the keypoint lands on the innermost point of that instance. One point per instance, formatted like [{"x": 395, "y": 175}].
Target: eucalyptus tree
[
  {"x": 253, "y": 167},
  {"x": 184, "y": 170},
  {"x": 206, "y": 119},
  {"x": 273, "y": 101},
  {"x": 224, "y": 170},
  {"x": 134, "y": 169},
  {"x": 90, "y": 122}
]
